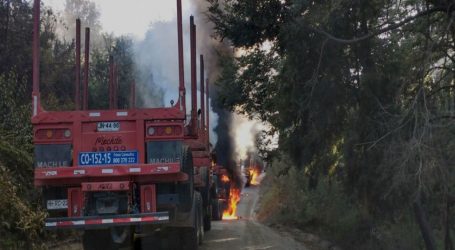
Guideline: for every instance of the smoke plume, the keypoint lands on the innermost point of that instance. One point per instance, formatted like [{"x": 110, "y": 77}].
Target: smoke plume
[{"x": 157, "y": 63}]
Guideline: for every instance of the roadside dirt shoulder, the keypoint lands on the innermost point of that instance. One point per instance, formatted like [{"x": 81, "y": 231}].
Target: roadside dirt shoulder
[{"x": 311, "y": 241}]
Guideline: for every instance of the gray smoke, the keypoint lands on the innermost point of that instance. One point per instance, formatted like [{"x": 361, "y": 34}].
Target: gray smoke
[{"x": 156, "y": 58}]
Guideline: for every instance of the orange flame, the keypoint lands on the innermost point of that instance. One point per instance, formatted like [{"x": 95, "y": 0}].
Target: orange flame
[
  {"x": 255, "y": 177},
  {"x": 234, "y": 198},
  {"x": 224, "y": 178}
]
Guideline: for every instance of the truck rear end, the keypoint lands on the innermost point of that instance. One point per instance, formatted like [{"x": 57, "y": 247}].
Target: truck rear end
[
  {"x": 118, "y": 172},
  {"x": 106, "y": 166}
]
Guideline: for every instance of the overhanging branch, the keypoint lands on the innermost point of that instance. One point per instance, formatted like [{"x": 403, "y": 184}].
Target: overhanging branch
[{"x": 380, "y": 31}]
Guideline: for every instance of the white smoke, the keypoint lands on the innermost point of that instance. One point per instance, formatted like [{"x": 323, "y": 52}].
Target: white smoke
[
  {"x": 246, "y": 134},
  {"x": 156, "y": 57}
]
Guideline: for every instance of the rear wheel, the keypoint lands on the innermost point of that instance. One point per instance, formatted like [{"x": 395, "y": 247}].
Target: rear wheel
[
  {"x": 111, "y": 239},
  {"x": 186, "y": 188},
  {"x": 216, "y": 210},
  {"x": 206, "y": 195},
  {"x": 122, "y": 236},
  {"x": 96, "y": 239},
  {"x": 200, "y": 220},
  {"x": 191, "y": 237}
]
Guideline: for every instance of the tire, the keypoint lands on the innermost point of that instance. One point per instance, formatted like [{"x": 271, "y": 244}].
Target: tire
[
  {"x": 186, "y": 189},
  {"x": 190, "y": 237},
  {"x": 200, "y": 220},
  {"x": 122, "y": 237},
  {"x": 96, "y": 239},
  {"x": 216, "y": 210},
  {"x": 109, "y": 239},
  {"x": 208, "y": 218},
  {"x": 206, "y": 195},
  {"x": 214, "y": 189}
]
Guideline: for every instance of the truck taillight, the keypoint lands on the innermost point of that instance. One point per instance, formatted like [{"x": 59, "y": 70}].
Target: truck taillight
[
  {"x": 164, "y": 131},
  {"x": 49, "y": 134}
]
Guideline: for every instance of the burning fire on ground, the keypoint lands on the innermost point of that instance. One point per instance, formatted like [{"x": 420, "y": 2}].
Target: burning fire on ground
[
  {"x": 234, "y": 198},
  {"x": 255, "y": 177}
]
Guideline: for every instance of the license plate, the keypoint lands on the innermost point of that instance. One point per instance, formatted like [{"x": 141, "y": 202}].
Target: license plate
[
  {"x": 108, "y": 158},
  {"x": 108, "y": 126},
  {"x": 57, "y": 204}
]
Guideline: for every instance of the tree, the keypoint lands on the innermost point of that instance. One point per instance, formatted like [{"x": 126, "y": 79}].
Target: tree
[{"x": 365, "y": 87}]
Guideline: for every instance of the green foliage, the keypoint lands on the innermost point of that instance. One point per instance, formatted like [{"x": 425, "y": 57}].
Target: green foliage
[
  {"x": 371, "y": 79},
  {"x": 120, "y": 48},
  {"x": 14, "y": 112},
  {"x": 21, "y": 224},
  {"x": 330, "y": 212},
  {"x": 258, "y": 20},
  {"x": 21, "y": 215}
]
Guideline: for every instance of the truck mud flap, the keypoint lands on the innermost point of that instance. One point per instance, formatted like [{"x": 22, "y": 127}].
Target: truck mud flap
[{"x": 106, "y": 221}]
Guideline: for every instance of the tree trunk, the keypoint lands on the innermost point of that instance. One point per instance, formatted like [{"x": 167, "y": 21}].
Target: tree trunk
[{"x": 425, "y": 229}]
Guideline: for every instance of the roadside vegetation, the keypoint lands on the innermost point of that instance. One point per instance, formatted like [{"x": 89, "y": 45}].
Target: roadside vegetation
[
  {"x": 21, "y": 215},
  {"x": 362, "y": 97}
]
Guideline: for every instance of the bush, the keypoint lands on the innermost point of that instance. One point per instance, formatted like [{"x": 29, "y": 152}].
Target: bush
[
  {"x": 328, "y": 210},
  {"x": 21, "y": 223}
]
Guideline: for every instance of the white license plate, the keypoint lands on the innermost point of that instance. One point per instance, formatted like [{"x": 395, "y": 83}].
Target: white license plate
[
  {"x": 57, "y": 204},
  {"x": 108, "y": 126}
]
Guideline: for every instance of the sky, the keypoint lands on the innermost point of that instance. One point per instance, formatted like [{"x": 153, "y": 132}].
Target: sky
[{"x": 132, "y": 18}]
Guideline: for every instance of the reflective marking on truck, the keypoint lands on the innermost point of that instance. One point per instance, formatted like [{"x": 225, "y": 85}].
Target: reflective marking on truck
[
  {"x": 50, "y": 173},
  {"x": 107, "y": 171},
  {"x": 51, "y": 224},
  {"x": 99, "y": 221},
  {"x": 135, "y": 170},
  {"x": 162, "y": 169},
  {"x": 122, "y": 113},
  {"x": 78, "y": 222},
  {"x": 163, "y": 218},
  {"x": 79, "y": 172},
  {"x": 94, "y": 114}
]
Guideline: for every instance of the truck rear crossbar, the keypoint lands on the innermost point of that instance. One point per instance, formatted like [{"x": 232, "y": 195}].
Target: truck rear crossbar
[{"x": 105, "y": 221}]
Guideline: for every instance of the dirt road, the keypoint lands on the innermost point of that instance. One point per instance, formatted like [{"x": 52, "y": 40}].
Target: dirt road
[
  {"x": 242, "y": 234},
  {"x": 245, "y": 233}
]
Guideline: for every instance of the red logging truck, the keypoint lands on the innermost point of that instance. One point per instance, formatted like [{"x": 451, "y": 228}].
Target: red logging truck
[{"x": 118, "y": 173}]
